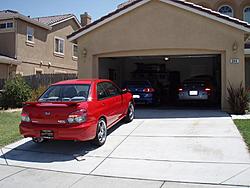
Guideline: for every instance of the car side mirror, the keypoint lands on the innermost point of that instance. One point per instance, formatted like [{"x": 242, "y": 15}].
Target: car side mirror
[{"x": 125, "y": 90}]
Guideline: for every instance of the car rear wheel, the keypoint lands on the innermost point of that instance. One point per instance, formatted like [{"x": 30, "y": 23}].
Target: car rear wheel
[
  {"x": 38, "y": 140},
  {"x": 101, "y": 133},
  {"x": 131, "y": 113}
]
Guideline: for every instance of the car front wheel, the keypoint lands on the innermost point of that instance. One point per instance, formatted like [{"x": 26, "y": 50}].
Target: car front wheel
[
  {"x": 101, "y": 133},
  {"x": 130, "y": 113}
]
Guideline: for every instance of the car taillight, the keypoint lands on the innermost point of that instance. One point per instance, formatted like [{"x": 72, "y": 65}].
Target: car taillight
[
  {"x": 79, "y": 116},
  {"x": 207, "y": 89},
  {"x": 148, "y": 90},
  {"x": 180, "y": 89},
  {"x": 25, "y": 117}
]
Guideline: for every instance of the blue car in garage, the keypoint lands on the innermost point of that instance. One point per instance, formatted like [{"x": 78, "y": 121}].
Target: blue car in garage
[{"x": 143, "y": 92}]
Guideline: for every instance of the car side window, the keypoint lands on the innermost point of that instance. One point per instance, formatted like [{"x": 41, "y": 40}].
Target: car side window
[
  {"x": 101, "y": 94},
  {"x": 111, "y": 89}
]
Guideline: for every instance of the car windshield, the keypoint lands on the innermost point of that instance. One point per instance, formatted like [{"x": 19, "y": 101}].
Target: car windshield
[{"x": 66, "y": 93}]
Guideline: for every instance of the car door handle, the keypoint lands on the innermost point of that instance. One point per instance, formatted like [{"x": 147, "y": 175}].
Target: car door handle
[{"x": 103, "y": 104}]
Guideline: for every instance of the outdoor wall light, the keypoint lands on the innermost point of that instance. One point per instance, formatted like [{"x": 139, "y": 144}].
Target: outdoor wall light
[
  {"x": 84, "y": 52},
  {"x": 166, "y": 58},
  {"x": 49, "y": 64},
  {"x": 235, "y": 47}
]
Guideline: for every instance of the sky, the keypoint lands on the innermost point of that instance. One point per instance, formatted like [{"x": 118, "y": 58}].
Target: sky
[{"x": 35, "y": 8}]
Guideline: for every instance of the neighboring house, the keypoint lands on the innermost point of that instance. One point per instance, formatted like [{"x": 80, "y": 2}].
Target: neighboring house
[
  {"x": 36, "y": 46},
  {"x": 182, "y": 38}
]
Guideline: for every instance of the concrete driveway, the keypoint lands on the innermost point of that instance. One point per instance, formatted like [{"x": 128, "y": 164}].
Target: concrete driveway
[{"x": 160, "y": 148}]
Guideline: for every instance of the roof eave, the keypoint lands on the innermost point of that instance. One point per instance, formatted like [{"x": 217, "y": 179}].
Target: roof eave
[
  {"x": 66, "y": 19},
  {"x": 246, "y": 29}
]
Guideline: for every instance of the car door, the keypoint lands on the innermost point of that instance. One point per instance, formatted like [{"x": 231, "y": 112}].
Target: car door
[
  {"x": 115, "y": 97},
  {"x": 103, "y": 103}
]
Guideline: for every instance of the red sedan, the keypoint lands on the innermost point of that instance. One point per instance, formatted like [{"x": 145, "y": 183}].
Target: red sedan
[{"x": 77, "y": 110}]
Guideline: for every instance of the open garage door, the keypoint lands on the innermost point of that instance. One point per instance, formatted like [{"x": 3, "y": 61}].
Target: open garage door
[{"x": 175, "y": 80}]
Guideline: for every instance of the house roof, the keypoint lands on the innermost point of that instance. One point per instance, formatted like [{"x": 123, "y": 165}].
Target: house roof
[
  {"x": 10, "y": 14},
  {"x": 132, "y": 4},
  {"x": 8, "y": 60},
  {"x": 54, "y": 20}
]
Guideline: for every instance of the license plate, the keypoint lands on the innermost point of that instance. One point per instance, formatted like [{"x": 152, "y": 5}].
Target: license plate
[
  {"x": 48, "y": 134},
  {"x": 136, "y": 96},
  {"x": 193, "y": 93}
]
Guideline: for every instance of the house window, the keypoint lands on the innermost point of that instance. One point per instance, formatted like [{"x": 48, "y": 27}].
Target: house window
[
  {"x": 6, "y": 25},
  {"x": 246, "y": 14},
  {"x": 75, "y": 51},
  {"x": 59, "y": 45},
  {"x": 30, "y": 34},
  {"x": 226, "y": 10}
]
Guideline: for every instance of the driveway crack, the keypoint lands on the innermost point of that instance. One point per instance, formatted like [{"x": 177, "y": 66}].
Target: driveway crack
[
  {"x": 117, "y": 147},
  {"x": 4, "y": 157},
  {"x": 236, "y": 175}
]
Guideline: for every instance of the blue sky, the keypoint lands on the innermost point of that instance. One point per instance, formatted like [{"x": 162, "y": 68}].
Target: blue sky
[{"x": 35, "y": 8}]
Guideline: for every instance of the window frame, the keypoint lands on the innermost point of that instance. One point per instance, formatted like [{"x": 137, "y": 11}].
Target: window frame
[
  {"x": 244, "y": 17},
  {"x": 6, "y": 28},
  {"x": 226, "y": 5},
  {"x": 59, "y": 39},
  {"x": 73, "y": 51},
  {"x": 27, "y": 35}
]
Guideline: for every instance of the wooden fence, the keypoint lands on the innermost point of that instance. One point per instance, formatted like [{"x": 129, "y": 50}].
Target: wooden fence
[{"x": 34, "y": 81}]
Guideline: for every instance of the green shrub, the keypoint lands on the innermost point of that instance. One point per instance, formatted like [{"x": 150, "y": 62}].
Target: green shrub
[
  {"x": 238, "y": 99},
  {"x": 37, "y": 93},
  {"x": 16, "y": 91}
]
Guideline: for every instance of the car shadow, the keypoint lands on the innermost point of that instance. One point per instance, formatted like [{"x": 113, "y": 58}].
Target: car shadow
[
  {"x": 52, "y": 151},
  {"x": 147, "y": 112}
]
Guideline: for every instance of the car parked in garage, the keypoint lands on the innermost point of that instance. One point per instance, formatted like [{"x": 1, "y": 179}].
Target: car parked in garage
[
  {"x": 143, "y": 91},
  {"x": 77, "y": 110},
  {"x": 198, "y": 88}
]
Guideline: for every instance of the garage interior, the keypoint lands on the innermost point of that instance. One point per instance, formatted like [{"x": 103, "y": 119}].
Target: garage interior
[{"x": 166, "y": 73}]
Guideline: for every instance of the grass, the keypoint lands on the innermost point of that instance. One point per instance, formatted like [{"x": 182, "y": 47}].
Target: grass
[
  {"x": 9, "y": 127},
  {"x": 244, "y": 128}
]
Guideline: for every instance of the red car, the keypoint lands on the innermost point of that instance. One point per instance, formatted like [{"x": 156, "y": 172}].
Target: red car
[{"x": 77, "y": 110}]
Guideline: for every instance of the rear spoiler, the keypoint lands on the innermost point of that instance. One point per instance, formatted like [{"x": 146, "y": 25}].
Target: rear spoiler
[{"x": 47, "y": 104}]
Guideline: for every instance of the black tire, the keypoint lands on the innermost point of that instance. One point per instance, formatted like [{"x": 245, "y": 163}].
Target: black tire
[
  {"x": 101, "y": 133},
  {"x": 38, "y": 140},
  {"x": 130, "y": 113}
]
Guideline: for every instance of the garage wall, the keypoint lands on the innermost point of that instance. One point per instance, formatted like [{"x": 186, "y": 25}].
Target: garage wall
[{"x": 167, "y": 31}]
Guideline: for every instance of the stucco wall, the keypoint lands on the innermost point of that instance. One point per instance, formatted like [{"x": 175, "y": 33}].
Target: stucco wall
[
  {"x": 167, "y": 31},
  {"x": 43, "y": 49}
]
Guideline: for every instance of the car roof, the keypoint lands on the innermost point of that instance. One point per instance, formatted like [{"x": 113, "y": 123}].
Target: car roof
[{"x": 80, "y": 81}]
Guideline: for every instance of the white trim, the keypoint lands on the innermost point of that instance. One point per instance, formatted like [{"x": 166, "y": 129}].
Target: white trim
[
  {"x": 109, "y": 19},
  {"x": 185, "y": 7},
  {"x": 226, "y": 5},
  {"x": 60, "y": 72},
  {"x": 39, "y": 70},
  {"x": 59, "y": 53},
  {"x": 247, "y": 51},
  {"x": 33, "y": 37},
  {"x": 73, "y": 55},
  {"x": 72, "y": 17}
]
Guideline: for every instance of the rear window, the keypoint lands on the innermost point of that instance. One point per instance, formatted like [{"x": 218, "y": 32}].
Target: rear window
[
  {"x": 66, "y": 93},
  {"x": 194, "y": 83}
]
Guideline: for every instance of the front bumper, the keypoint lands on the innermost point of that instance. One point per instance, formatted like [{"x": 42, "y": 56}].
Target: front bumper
[{"x": 82, "y": 132}]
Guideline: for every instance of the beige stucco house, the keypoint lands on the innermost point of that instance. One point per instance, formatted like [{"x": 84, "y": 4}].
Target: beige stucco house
[
  {"x": 182, "y": 37},
  {"x": 36, "y": 45}
]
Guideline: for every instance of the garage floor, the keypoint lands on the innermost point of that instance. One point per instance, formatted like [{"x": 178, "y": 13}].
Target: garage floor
[{"x": 169, "y": 148}]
